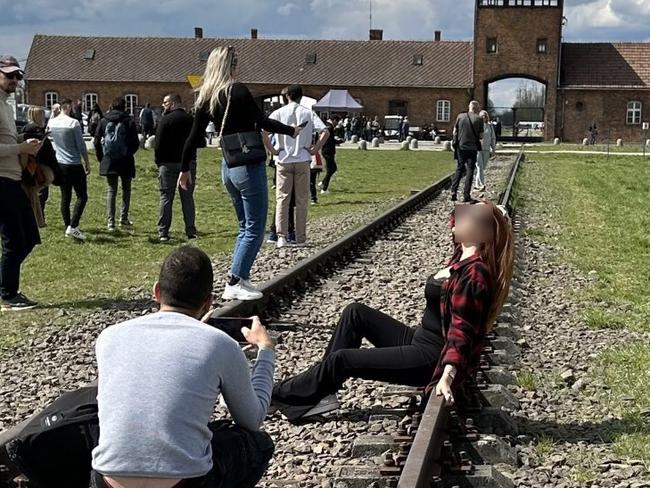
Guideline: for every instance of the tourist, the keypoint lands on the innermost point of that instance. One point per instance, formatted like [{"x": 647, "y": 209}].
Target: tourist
[
  {"x": 76, "y": 113},
  {"x": 347, "y": 124},
  {"x": 70, "y": 151},
  {"x": 116, "y": 141},
  {"x": 147, "y": 121},
  {"x": 467, "y": 134},
  {"x": 173, "y": 130},
  {"x": 316, "y": 168},
  {"x": 329, "y": 154},
  {"x": 246, "y": 184},
  {"x": 18, "y": 228},
  {"x": 462, "y": 303},
  {"x": 159, "y": 377},
  {"x": 293, "y": 164},
  {"x": 210, "y": 131},
  {"x": 488, "y": 146},
  {"x": 95, "y": 116},
  {"x": 55, "y": 111},
  {"x": 35, "y": 129},
  {"x": 406, "y": 128},
  {"x": 593, "y": 133}
]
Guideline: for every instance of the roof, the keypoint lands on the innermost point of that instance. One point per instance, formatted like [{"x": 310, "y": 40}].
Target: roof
[
  {"x": 606, "y": 65},
  {"x": 337, "y": 100},
  {"x": 268, "y": 61}
]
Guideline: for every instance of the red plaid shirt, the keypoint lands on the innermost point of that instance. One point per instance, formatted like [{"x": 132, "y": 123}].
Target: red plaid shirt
[{"x": 464, "y": 303}]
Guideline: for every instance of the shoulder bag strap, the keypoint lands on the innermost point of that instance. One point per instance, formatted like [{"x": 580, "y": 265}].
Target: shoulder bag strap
[{"x": 225, "y": 114}]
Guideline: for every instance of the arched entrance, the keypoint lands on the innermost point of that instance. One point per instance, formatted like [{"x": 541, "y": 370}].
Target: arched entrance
[
  {"x": 516, "y": 107},
  {"x": 269, "y": 103}
]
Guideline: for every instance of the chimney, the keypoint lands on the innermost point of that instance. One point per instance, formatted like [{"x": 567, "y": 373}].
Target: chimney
[
  {"x": 198, "y": 33},
  {"x": 253, "y": 33},
  {"x": 376, "y": 34},
  {"x": 436, "y": 36}
]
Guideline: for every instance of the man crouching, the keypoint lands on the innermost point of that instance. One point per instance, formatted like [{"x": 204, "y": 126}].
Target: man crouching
[{"x": 159, "y": 378}]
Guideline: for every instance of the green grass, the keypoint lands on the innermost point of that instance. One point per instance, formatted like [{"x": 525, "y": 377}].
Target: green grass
[
  {"x": 602, "y": 209},
  {"x": 114, "y": 267},
  {"x": 627, "y": 147},
  {"x": 544, "y": 447},
  {"x": 527, "y": 380}
]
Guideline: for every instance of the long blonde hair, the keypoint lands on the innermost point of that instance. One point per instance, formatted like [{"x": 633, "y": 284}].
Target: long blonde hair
[
  {"x": 218, "y": 76},
  {"x": 36, "y": 115}
]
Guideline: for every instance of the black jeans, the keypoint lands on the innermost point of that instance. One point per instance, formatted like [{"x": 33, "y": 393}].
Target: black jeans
[
  {"x": 466, "y": 163},
  {"x": 400, "y": 356},
  {"x": 239, "y": 458},
  {"x": 74, "y": 177},
  {"x": 168, "y": 182},
  {"x": 19, "y": 234},
  {"x": 112, "y": 196},
  {"x": 330, "y": 169},
  {"x": 313, "y": 177}
]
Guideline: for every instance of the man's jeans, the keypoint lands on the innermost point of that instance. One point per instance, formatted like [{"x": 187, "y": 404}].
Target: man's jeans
[
  {"x": 249, "y": 192},
  {"x": 239, "y": 456},
  {"x": 466, "y": 163},
  {"x": 112, "y": 195},
  {"x": 168, "y": 182},
  {"x": 19, "y": 234}
]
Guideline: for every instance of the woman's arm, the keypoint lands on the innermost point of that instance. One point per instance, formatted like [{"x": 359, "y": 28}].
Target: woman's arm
[
  {"x": 248, "y": 104},
  {"x": 195, "y": 139}
]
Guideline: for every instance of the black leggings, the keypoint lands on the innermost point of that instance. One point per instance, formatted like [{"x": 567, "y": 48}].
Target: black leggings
[
  {"x": 74, "y": 179},
  {"x": 402, "y": 355}
]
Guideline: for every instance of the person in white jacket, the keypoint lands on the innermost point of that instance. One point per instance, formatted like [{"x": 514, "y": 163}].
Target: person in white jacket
[{"x": 488, "y": 146}]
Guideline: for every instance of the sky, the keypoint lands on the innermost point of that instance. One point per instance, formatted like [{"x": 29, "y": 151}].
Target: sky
[{"x": 588, "y": 20}]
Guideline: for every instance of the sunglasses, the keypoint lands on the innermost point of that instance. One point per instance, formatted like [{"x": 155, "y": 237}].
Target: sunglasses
[{"x": 16, "y": 75}]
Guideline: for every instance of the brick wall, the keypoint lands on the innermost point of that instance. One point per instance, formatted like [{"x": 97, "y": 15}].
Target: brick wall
[
  {"x": 517, "y": 30},
  {"x": 578, "y": 109},
  {"x": 421, "y": 101}
]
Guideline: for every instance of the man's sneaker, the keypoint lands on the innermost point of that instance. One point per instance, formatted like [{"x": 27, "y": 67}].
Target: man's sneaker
[
  {"x": 291, "y": 237},
  {"x": 126, "y": 223},
  {"x": 163, "y": 238},
  {"x": 320, "y": 184},
  {"x": 327, "y": 404},
  {"x": 111, "y": 227},
  {"x": 272, "y": 238},
  {"x": 241, "y": 291},
  {"x": 75, "y": 233},
  {"x": 314, "y": 202},
  {"x": 324, "y": 192},
  {"x": 17, "y": 303},
  {"x": 282, "y": 242},
  {"x": 193, "y": 238}
]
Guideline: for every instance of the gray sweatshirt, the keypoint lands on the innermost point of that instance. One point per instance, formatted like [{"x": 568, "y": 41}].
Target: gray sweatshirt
[
  {"x": 68, "y": 139},
  {"x": 159, "y": 378}
]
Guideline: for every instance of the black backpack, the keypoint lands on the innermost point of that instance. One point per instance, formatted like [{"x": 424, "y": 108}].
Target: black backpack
[{"x": 54, "y": 449}]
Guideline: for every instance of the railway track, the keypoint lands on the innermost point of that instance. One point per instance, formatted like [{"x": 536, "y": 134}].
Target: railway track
[{"x": 348, "y": 257}]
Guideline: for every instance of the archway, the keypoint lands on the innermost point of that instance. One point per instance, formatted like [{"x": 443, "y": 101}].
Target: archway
[
  {"x": 516, "y": 107},
  {"x": 269, "y": 103}
]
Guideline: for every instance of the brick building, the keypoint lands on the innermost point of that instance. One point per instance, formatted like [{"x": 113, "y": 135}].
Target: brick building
[{"x": 578, "y": 84}]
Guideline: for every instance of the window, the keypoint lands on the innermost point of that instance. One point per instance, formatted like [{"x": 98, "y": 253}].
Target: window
[
  {"x": 418, "y": 60},
  {"x": 310, "y": 58},
  {"x": 443, "y": 111},
  {"x": 633, "y": 113},
  {"x": 398, "y": 107},
  {"x": 89, "y": 54},
  {"x": 90, "y": 99},
  {"x": 542, "y": 46},
  {"x": 491, "y": 45},
  {"x": 131, "y": 102},
  {"x": 51, "y": 98}
]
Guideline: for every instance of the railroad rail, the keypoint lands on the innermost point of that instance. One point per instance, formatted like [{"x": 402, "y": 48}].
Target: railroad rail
[{"x": 423, "y": 464}]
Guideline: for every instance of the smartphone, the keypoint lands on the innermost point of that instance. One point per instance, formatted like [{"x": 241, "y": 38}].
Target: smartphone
[
  {"x": 231, "y": 326},
  {"x": 304, "y": 124}
]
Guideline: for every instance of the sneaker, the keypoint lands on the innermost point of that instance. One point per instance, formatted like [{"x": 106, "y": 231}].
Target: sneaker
[
  {"x": 272, "y": 238},
  {"x": 282, "y": 242},
  {"x": 163, "y": 238},
  {"x": 241, "y": 291},
  {"x": 17, "y": 303},
  {"x": 314, "y": 202},
  {"x": 291, "y": 237},
  {"x": 327, "y": 404},
  {"x": 126, "y": 223},
  {"x": 193, "y": 238},
  {"x": 320, "y": 184},
  {"x": 75, "y": 233},
  {"x": 111, "y": 227},
  {"x": 324, "y": 192}
]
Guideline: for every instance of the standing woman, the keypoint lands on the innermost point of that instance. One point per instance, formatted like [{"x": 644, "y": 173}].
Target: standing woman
[
  {"x": 247, "y": 184},
  {"x": 488, "y": 146},
  {"x": 35, "y": 129}
]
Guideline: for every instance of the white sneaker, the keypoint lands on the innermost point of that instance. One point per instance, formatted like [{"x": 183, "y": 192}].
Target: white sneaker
[
  {"x": 75, "y": 233},
  {"x": 324, "y": 192},
  {"x": 327, "y": 404},
  {"x": 320, "y": 184},
  {"x": 282, "y": 242},
  {"x": 241, "y": 291}
]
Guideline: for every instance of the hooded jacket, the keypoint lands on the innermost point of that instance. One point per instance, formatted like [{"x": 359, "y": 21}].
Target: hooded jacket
[{"x": 122, "y": 167}]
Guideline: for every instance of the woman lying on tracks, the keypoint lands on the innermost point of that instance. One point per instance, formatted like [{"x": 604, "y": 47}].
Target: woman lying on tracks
[{"x": 462, "y": 303}]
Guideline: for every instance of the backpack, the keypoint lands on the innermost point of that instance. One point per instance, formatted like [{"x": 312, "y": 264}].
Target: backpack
[
  {"x": 115, "y": 143},
  {"x": 54, "y": 449}
]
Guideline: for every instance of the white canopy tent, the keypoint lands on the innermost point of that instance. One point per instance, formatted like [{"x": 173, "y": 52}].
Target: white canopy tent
[{"x": 337, "y": 101}]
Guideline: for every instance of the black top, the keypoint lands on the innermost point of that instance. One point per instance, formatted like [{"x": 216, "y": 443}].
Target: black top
[
  {"x": 172, "y": 132},
  {"x": 329, "y": 148},
  {"x": 467, "y": 140},
  {"x": 432, "y": 320},
  {"x": 244, "y": 115},
  {"x": 122, "y": 167},
  {"x": 33, "y": 131}
]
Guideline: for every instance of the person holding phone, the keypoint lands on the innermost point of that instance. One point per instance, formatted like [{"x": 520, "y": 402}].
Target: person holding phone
[
  {"x": 159, "y": 378},
  {"x": 293, "y": 164}
]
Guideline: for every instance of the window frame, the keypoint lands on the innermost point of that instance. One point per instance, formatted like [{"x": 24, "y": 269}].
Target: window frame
[
  {"x": 54, "y": 96},
  {"x": 440, "y": 110},
  {"x": 88, "y": 107},
  {"x": 488, "y": 43},
  {"x": 542, "y": 41},
  {"x": 131, "y": 100},
  {"x": 635, "y": 109}
]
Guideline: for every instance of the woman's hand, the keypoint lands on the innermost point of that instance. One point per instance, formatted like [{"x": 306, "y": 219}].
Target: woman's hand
[
  {"x": 443, "y": 274},
  {"x": 296, "y": 131},
  {"x": 443, "y": 388}
]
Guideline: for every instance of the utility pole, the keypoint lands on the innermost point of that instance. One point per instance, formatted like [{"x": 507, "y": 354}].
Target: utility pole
[{"x": 371, "y": 14}]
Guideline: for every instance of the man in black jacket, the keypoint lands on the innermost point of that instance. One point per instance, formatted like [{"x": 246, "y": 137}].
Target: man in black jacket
[
  {"x": 329, "y": 153},
  {"x": 173, "y": 130},
  {"x": 116, "y": 141}
]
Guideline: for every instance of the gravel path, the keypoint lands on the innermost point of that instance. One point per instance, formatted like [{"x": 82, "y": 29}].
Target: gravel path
[{"x": 567, "y": 408}]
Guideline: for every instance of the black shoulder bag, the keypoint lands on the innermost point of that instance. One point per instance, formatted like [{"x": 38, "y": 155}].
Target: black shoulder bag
[{"x": 241, "y": 148}]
